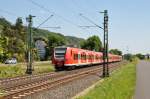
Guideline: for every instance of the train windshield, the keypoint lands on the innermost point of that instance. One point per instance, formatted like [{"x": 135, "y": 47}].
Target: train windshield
[{"x": 60, "y": 52}]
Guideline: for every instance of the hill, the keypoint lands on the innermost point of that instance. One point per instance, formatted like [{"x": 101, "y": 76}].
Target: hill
[
  {"x": 13, "y": 41},
  {"x": 41, "y": 33},
  {"x": 70, "y": 40},
  {"x": 74, "y": 40}
]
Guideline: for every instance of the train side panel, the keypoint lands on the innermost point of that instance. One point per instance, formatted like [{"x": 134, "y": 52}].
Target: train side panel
[{"x": 65, "y": 57}]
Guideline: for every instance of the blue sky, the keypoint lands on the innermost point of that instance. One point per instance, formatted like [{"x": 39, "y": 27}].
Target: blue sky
[{"x": 128, "y": 20}]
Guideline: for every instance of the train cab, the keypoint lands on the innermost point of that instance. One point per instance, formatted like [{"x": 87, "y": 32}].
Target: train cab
[{"x": 58, "y": 58}]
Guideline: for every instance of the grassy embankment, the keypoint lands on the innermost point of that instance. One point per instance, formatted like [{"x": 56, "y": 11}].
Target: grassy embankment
[
  {"x": 120, "y": 85},
  {"x": 12, "y": 70}
]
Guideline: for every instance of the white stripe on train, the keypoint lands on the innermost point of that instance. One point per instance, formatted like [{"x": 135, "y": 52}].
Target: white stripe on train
[{"x": 82, "y": 64}]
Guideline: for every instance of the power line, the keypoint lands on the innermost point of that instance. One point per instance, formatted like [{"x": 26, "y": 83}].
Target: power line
[
  {"x": 44, "y": 8},
  {"x": 81, "y": 27},
  {"x": 57, "y": 27},
  {"x": 41, "y": 6},
  {"x": 77, "y": 5},
  {"x": 10, "y": 13},
  {"x": 7, "y": 12},
  {"x": 83, "y": 9},
  {"x": 88, "y": 26},
  {"x": 45, "y": 20},
  {"x": 90, "y": 21}
]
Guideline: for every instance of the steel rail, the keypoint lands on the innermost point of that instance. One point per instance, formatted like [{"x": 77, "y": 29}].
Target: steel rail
[{"x": 50, "y": 84}]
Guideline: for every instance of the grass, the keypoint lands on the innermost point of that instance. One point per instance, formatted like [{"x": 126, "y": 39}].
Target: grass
[
  {"x": 147, "y": 59},
  {"x": 10, "y": 71},
  {"x": 13, "y": 70},
  {"x": 43, "y": 67},
  {"x": 2, "y": 93},
  {"x": 120, "y": 85}
]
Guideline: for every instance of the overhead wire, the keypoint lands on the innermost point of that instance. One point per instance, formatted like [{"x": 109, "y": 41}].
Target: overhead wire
[
  {"x": 12, "y": 14},
  {"x": 74, "y": 3},
  {"x": 7, "y": 12},
  {"x": 83, "y": 9},
  {"x": 45, "y": 21},
  {"x": 90, "y": 21},
  {"x": 40, "y": 6},
  {"x": 44, "y": 8},
  {"x": 58, "y": 27},
  {"x": 77, "y": 6}
]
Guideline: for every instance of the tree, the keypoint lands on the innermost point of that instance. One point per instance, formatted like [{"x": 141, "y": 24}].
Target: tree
[
  {"x": 115, "y": 51},
  {"x": 13, "y": 40},
  {"x": 20, "y": 30},
  {"x": 128, "y": 57},
  {"x": 92, "y": 43},
  {"x": 54, "y": 41},
  {"x": 140, "y": 56},
  {"x": 8, "y": 40},
  {"x": 4, "y": 22}
]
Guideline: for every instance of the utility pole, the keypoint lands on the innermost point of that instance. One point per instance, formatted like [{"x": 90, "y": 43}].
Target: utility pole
[
  {"x": 29, "y": 45},
  {"x": 105, "y": 42},
  {"x": 105, "y": 45}
]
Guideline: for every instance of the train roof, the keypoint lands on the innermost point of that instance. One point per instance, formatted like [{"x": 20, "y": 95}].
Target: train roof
[{"x": 75, "y": 48}]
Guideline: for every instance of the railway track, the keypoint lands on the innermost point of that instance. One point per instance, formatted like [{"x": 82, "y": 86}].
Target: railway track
[
  {"x": 38, "y": 80},
  {"x": 50, "y": 81},
  {"x": 13, "y": 82},
  {"x": 24, "y": 80}
]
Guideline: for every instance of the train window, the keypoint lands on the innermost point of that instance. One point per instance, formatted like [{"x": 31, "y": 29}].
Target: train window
[
  {"x": 87, "y": 56},
  {"x": 94, "y": 57},
  {"x": 97, "y": 57},
  {"x": 90, "y": 56},
  {"x": 75, "y": 56},
  {"x": 60, "y": 52},
  {"x": 83, "y": 56},
  {"x": 101, "y": 57}
]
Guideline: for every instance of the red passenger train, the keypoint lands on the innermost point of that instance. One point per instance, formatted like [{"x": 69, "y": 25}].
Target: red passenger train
[{"x": 64, "y": 57}]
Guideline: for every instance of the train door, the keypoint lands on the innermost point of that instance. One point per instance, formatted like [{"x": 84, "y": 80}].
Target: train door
[
  {"x": 79, "y": 58},
  {"x": 75, "y": 58},
  {"x": 83, "y": 57}
]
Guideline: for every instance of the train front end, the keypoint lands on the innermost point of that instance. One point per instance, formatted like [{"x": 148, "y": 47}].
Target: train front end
[{"x": 58, "y": 57}]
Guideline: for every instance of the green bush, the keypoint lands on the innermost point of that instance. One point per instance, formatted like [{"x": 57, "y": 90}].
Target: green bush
[{"x": 10, "y": 71}]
